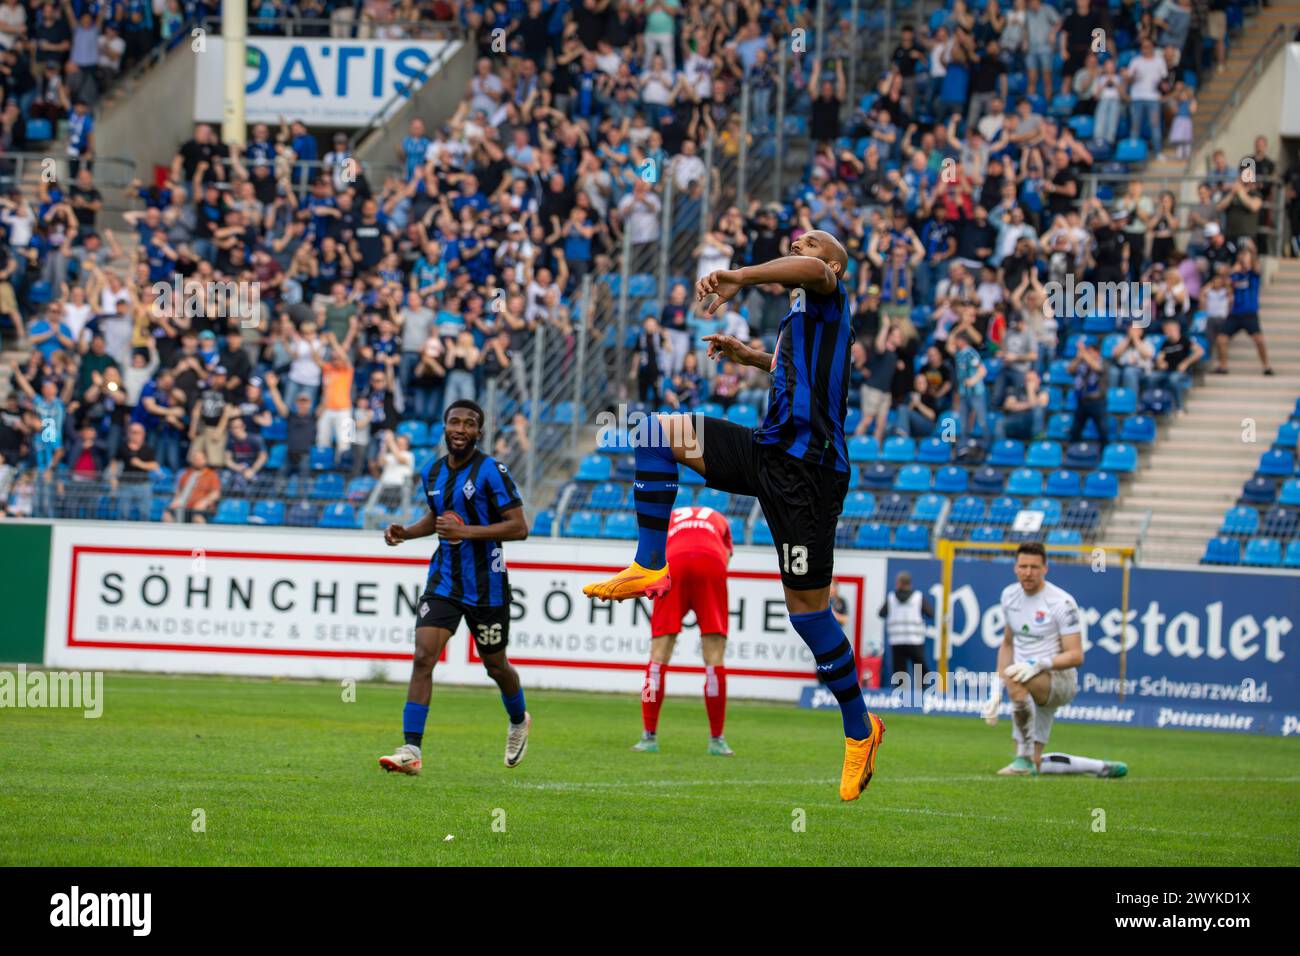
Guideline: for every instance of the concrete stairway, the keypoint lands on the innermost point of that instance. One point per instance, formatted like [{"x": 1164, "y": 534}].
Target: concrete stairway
[{"x": 1201, "y": 460}]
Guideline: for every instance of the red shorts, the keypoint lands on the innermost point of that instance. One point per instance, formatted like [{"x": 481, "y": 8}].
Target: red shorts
[{"x": 699, "y": 585}]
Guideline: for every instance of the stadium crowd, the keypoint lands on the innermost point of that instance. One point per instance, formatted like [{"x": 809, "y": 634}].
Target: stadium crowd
[{"x": 954, "y": 183}]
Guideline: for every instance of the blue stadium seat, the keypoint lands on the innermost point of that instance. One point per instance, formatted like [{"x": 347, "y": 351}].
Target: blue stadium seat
[
  {"x": 912, "y": 537},
  {"x": 1007, "y": 454},
  {"x": 1120, "y": 458},
  {"x": 1002, "y": 511},
  {"x": 340, "y": 515},
  {"x": 621, "y": 526},
  {"x": 1259, "y": 491},
  {"x": 304, "y": 514},
  {"x": 1288, "y": 435},
  {"x": 987, "y": 534},
  {"x": 1083, "y": 456},
  {"x": 1083, "y": 126},
  {"x": 415, "y": 430},
  {"x": 912, "y": 478},
  {"x": 892, "y": 508},
  {"x": 1063, "y": 484},
  {"x": 1157, "y": 401},
  {"x": 359, "y": 488},
  {"x": 986, "y": 481},
  {"x": 544, "y": 523},
  {"x": 1081, "y": 514},
  {"x": 1025, "y": 483},
  {"x": 1263, "y": 552},
  {"x": 713, "y": 498},
  {"x": 1101, "y": 484},
  {"x": 563, "y": 413},
  {"x": 1239, "y": 521},
  {"x": 1064, "y": 536},
  {"x": 951, "y": 480},
  {"x": 862, "y": 449},
  {"x": 322, "y": 459},
  {"x": 1138, "y": 429},
  {"x": 898, "y": 450},
  {"x": 859, "y": 504},
  {"x": 852, "y": 419},
  {"x": 1044, "y": 454},
  {"x": 1058, "y": 427},
  {"x": 1131, "y": 151},
  {"x": 38, "y": 130},
  {"x": 583, "y": 524},
  {"x": 1058, "y": 373},
  {"x": 278, "y": 430},
  {"x": 927, "y": 507},
  {"x": 267, "y": 513},
  {"x": 1276, "y": 463},
  {"x": 1121, "y": 401},
  {"x": 712, "y": 410},
  {"x": 877, "y": 477},
  {"x": 607, "y": 497},
  {"x": 1062, "y": 105},
  {"x": 1290, "y": 492},
  {"x": 872, "y": 535},
  {"x": 933, "y": 451},
  {"x": 743, "y": 415},
  {"x": 1050, "y": 508},
  {"x": 596, "y": 468},
  {"x": 275, "y": 457},
  {"x": 1292, "y": 557},
  {"x": 762, "y": 532},
  {"x": 967, "y": 510},
  {"x": 737, "y": 526},
  {"x": 1279, "y": 523},
  {"x": 327, "y": 486}
]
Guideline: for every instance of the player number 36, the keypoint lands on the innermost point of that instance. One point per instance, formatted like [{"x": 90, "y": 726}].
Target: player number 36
[
  {"x": 489, "y": 634},
  {"x": 794, "y": 559}
]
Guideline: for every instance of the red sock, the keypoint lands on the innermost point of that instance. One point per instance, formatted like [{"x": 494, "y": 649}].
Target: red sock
[
  {"x": 652, "y": 695},
  {"x": 715, "y": 697}
]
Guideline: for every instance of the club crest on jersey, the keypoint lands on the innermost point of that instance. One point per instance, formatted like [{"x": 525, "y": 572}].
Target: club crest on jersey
[
  {"x": 1040, "y": 617},
  {"x": 468, "y": 489},
  {"x": 502, "y": 468}
]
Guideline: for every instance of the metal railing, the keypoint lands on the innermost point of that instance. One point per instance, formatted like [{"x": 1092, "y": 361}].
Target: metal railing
[{"x": 356, "y": 27}]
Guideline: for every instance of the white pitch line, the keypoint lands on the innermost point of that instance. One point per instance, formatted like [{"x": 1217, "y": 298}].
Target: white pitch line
[{"x": 954, "y": 778}]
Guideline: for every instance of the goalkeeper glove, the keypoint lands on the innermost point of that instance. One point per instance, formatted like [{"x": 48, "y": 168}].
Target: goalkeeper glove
[{"x": 1021, "y": 673}]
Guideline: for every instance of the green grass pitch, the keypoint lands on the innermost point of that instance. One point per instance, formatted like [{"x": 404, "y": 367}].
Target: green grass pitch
[{"x": 285, "y": 772}]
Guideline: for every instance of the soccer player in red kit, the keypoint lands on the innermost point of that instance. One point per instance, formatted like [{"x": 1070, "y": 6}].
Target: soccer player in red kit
[{"x": 699, "y": 549}]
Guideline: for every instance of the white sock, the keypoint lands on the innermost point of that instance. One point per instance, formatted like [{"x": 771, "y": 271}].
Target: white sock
[
  {"x": 1022, "y": 715},
  {"x": 414, "y": 749},
  {"x": 1066, "y": 763}
]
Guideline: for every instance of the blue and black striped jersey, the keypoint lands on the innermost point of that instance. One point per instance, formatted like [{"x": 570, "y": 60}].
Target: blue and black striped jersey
[
  {"x": 480, "y": 491},
  {"x": 808, "y": 401}
]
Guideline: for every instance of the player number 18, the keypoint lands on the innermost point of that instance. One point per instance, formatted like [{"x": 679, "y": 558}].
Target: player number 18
[{"x": 795, "y": 559}]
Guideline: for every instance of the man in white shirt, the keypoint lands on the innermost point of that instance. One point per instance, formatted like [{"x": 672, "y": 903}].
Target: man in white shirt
[
  {"x": 1038, "y": 661},
  {"x": 1144, "y": 74},
  {"x": 13, "y": 23}
]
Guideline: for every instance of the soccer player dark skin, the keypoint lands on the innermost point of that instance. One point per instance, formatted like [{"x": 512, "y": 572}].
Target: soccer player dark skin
[
  {"x": 461, "y": 435},
  {"x": 813, "y": 270}
]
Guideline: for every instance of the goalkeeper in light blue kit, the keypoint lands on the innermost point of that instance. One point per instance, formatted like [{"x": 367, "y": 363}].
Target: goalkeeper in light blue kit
[{"x": 1038, "y": 661}]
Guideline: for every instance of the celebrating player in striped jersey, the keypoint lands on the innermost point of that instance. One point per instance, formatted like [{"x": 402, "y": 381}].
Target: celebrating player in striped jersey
[
  {"x": 699, "y": 549},
  {"x": 796, "y": 463},
  {"x": 473, "y": 507},
  {"x": 1039, "y": 659}
]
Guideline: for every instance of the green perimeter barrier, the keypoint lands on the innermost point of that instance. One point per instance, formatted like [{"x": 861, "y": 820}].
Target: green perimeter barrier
[{"x": 24, "y": 587}]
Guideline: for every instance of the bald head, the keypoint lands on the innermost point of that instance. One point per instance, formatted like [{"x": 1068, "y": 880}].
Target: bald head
[{"x": 822, "y": 245}]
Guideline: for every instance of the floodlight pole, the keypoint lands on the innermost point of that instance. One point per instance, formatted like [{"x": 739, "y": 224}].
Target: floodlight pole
[{"x": 234, "y": 37}]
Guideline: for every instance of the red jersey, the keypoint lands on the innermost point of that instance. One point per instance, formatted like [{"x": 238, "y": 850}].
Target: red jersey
[{"x": 699, "y": 531}]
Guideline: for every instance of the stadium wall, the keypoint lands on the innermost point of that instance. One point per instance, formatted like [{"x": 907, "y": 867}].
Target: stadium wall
[
  {"x": 319, "y": 604},
  {"x": 1207, "y": 649}
]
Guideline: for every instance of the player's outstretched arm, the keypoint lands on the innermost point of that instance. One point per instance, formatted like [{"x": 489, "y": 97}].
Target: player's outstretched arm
[
  {"x": 730, "y": 347},
  {"x": 805, "y": 272}
]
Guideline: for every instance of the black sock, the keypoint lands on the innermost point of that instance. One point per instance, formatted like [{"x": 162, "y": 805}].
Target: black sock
[
  {"x": 517, "y": 720},
  {"x": 415, "y": 740}
]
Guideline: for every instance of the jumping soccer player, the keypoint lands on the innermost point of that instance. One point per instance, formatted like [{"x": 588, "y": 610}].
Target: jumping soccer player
[
  {"x": 1039, "y": 659},
  {"x": 699, "y": 549},
  {"x": 473, "y": 507},
  {"x": 795, "y": 463}
]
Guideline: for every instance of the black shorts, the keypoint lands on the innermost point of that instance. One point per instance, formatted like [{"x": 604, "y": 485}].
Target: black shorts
[
  {"x": 489, "y": 626},
  {"x": 1247, "y": 322},
  {"x": 801, "y": 501}
]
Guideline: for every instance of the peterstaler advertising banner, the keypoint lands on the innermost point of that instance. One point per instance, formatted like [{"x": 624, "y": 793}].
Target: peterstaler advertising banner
[
  {"x": 323, "y": 82},
  {"x": 308, "y": 603},
  {"x": 1207, "y": 650}
]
